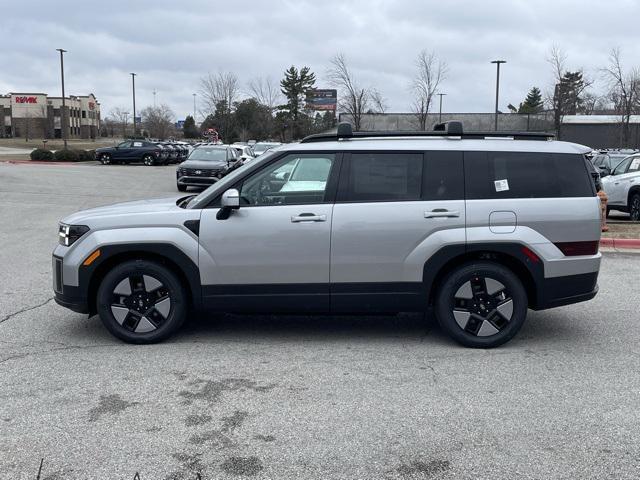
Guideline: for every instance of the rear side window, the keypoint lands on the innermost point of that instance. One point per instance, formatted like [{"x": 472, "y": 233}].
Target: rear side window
[
  {"x": 526, "y": 175},
  {"x": 379, "y": 177},
  {"x": 443, "y": 177}
]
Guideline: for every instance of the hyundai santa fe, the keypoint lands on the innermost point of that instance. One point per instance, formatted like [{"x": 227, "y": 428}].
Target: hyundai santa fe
[{"x": 479, "y": 229}]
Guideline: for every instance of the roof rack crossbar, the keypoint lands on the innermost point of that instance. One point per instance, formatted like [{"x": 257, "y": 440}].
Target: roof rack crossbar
[{"x": 446, "y": 129}]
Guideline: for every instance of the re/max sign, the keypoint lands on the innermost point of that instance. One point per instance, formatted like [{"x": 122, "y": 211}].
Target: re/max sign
[{"x": 26, "y": 99}]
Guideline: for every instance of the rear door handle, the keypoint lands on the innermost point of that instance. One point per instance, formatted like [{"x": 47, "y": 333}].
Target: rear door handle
[
  {"x": 441, "y": 213},
  {"x": 308, "y": 217}
]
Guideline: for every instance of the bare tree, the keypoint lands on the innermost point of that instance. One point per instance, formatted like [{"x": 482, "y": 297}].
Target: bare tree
[
  {"x": 378, "y": 101},
  {"x": 120, "y": 116},
  {"x": 431, "y": 71},
  {"x": 354, "y": 99},
  {"x": 568, "y": 88},
  {"x": 265, "y": 91},
  {"x": 221, "y": 89},
  {"x": 158, "y": 121},
  {"x": 624, "y": 90}
]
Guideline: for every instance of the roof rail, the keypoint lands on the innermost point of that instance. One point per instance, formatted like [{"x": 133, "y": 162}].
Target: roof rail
[{"x": 446, "y": 129}]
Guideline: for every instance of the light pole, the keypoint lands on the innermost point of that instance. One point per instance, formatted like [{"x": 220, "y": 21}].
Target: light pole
[
  {"x": 497, "y": 62},
  {"x": 133, "y": 83},
  {"x": 440, "y": 112},
  {"x": 154, "y": 98},
  {"x": 64, "y": 108},
  {"x": 194, "y": 107}
]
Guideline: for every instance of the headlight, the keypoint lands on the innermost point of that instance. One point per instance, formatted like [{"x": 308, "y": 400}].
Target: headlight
[{"x": 70, "y": 233}]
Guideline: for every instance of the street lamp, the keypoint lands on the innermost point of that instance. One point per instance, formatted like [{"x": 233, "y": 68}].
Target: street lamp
[
  {"x": 497, "y": 62},
  {"x": 194, "y": 106},
  {"x": 440, "y": 112},
  {"x": 64, "y": 108},
  {"x": 133, "y": 83}
]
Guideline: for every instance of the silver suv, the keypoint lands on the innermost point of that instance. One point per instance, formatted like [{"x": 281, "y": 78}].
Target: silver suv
[
  {"x": 478, "y": 228},
  {"x": 623, "y": 187}
]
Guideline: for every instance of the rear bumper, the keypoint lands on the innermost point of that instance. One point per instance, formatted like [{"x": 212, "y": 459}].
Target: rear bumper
[{"x": 559, "y": 291}]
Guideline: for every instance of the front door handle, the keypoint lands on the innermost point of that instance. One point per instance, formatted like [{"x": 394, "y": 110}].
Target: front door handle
[
  {"x": 441, "y": 213},
  {"x": 308, "y": 217}
]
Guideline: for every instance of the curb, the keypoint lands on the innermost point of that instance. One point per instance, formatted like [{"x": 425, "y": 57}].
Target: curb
[
  {"x": 43, "y": 162},
  {"x": 620, "y": 243}
]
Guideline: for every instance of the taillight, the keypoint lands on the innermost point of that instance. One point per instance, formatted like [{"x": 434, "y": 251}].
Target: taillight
[{"x": 572, "y": 249}]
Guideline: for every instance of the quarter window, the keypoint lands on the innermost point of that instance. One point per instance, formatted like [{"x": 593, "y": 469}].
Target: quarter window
[
  {"x": 379, "y": 177},
  {"x": 294, "y": 179},
  {"x": 526, "y": 175}
]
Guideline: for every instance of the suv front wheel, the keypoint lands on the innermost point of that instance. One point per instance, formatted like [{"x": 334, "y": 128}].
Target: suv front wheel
[
  {"x": 481, "y": 305},
  {"x": 140, "y": 301},
  {"x": 634, "y": 207}
]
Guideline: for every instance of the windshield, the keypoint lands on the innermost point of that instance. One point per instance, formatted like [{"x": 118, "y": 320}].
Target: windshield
[{"x": 211, "y": 154}]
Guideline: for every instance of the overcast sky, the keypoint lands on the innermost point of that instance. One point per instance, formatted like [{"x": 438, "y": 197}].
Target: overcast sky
[{"x": 172, "y": 44}]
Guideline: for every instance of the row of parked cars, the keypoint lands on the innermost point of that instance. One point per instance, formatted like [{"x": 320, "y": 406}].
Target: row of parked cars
[
  {"x": 209, "y": 162},
  {"x": 620, "y": 176},
  {"x": 145, "y": 151}
]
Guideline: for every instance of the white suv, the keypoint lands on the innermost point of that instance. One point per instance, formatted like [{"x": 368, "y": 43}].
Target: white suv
[
  {"x": 623, "y": 187},
  {"x": 479, "y": 228}
]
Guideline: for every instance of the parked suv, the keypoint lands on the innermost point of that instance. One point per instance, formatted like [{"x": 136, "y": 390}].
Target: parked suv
[
  {"x": 131, "y": 151},
  {"x": 206, "y": 165},
  {"x": 481, "y": 229},
  {"x": 623, "y": 187}
]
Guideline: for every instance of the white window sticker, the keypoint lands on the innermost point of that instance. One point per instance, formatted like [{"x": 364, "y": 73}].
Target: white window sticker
[
  {"x": 635, "y": 163},
  {"x": 501, "y": 185},
  {"x": 137, "y": 144}
]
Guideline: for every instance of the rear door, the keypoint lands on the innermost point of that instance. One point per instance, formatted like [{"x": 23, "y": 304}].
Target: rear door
[{"x": 393, "y": 211}]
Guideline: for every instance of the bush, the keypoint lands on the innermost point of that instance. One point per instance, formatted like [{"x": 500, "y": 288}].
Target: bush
[
  {"x": 86, "y": 155},
  {"x": 66, "y": 156},
  {"x": 41, "y": 154}
]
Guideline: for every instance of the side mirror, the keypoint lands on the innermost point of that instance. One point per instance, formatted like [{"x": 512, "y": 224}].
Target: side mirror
[
  {"x": 604, "y": 171},
  {"x": 231, "y": 199}
]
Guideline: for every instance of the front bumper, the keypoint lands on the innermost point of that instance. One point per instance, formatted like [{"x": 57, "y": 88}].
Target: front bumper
[
  {"x": 66, "y": 295},
  {"x": 196, "y": 181}
]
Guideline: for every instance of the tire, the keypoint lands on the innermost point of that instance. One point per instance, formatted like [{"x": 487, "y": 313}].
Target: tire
[
  {"x": 148, "y": 160},
  {"x": 634, "y": 207},
  {"x": 181, "y": 188},
  {"x": 105, "y": 159},
  {"x": 481, "y": 305},
  {"x": 141, "y": 302}
]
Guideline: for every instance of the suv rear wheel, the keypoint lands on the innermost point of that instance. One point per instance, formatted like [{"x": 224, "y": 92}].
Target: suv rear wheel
[
  {"x": 481, "y": 305},
  {"x": 105, "y": 158},
  {"x": 140, "y": 301}
]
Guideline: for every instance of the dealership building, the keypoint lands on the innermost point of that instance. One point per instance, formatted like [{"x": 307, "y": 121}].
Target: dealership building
[{"x": 37, "y": 115}]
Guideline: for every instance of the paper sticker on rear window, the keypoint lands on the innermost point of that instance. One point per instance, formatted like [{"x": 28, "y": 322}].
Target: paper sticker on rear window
[{"x": 501, "y": 185}]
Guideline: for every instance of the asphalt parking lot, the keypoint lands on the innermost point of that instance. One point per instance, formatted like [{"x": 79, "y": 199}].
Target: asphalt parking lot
[{"x": 270, "y": 397}]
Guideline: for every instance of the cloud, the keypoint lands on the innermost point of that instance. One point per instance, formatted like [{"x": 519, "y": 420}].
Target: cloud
[{"x": 171, "y": 45}]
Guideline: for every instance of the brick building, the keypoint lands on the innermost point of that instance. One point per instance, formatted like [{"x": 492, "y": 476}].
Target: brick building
[{"x": 37, "y": 115}]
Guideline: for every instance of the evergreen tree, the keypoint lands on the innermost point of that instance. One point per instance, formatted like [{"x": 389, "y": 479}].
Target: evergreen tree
[
  {"x": 533, "y": 103},
  {"x": 294, "y": 86},
  {"x": 189, "y": 129}
]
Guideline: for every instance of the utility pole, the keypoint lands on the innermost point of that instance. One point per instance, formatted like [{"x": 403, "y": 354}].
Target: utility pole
[
  {"x": 154, "y": 97},
  {"x": 440, "y": 112},
  {"x": 133, "y": 82},
  {"x": 63, "y": 122},
  {"x": 497, "y": 62},
  {"x": 194, "y": 107}
]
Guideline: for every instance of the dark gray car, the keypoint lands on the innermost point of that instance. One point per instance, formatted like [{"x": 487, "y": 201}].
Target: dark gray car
[{"x": 205, "y": 166}]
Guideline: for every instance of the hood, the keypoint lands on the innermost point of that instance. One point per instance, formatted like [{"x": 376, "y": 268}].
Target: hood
[
  {"x": 204, "y": 164},
  {"x": 156, "y": 205}
]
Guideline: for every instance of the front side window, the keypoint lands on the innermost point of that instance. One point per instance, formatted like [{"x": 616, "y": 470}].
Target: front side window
[
  {"x": 124, "y": 145},
  {"x": 380, "y": 177},
  {"x": 294, "y": 179},
  {"x": 622, "y": 166}
]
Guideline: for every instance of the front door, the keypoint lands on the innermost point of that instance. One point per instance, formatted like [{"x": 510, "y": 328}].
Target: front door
[{"x": 273, "y": 252}]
